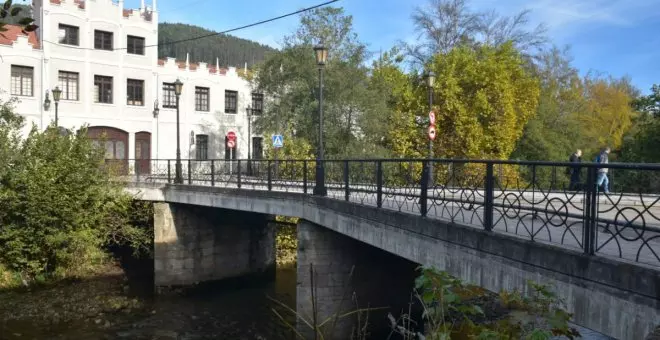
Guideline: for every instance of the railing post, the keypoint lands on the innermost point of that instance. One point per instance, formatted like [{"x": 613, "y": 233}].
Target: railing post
[
  {"x": 238, "y": 176},
  {"x": 212, "y": 173},
  {"x": 347, "y": 192},
  {"x": 304, "y": 176},
  {"x": 189, "y": 173},
  {"x": 169, "y": 172},
  {"x": 489, "y": 188},
  {"x": 137, "y": 170},
  {"x": 379, "y": 184},
  {"x": 270, "y": 175},
  {"x": 590, "y": 213},
  {"x": 424, "y": 193}
]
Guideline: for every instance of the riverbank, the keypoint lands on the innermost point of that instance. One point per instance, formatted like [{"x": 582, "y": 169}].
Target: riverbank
[
  {"x": 94, "y": 302},
  {"x": 109, "y": 307}
]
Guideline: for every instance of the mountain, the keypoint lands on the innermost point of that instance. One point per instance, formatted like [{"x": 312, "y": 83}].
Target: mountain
[{"x": 231, "y": 51}]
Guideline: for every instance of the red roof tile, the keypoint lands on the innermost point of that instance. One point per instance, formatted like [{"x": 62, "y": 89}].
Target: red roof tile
[
  {"x": 13, "y": 31},
  {"x": 81, "y": 3},
  {"x": 194, "y": 66}
]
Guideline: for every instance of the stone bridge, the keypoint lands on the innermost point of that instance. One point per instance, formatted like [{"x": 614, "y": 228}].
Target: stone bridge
[{"x": 611, "y": 286}]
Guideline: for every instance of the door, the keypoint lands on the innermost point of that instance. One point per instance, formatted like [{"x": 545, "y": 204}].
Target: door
[
  {"x": 143, "y": 152},
  {"x": 115, "y": 142}
]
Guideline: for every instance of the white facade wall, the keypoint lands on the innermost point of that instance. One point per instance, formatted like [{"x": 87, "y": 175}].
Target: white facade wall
[{"x": 105, "y": 15}]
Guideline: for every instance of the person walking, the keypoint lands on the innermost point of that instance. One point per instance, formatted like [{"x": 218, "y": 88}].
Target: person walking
[
  {"x": 574, "y": 169},
  {"x": 602, "y": 179}
]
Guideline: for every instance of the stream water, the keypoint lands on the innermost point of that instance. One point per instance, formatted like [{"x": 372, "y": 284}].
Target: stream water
[
  {"x": 234, "y": 310},
  {"x": 238, "y": 310}
]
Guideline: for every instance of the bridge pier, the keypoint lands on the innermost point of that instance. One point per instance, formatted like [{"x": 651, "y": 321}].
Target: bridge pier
[
  {"x": 194, "y": 244},
  {"x": 347, "y": 271}
]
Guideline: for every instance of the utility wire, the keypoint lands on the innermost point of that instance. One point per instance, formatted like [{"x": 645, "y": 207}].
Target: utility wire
[{"x": 210, "y": 34}]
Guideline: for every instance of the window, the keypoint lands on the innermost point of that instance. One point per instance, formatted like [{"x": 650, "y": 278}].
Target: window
[
  {"x": 68, "y": 35},
  {"x": 102, "y": 40},
  {"x": 21, "y": 80},
  {"x": 103, "y": 89},
  {"x": 68, "y": 82},
  {"x": 169, "y": 96},
  {"x": 231, "y": 98},
  {"x": 135, "y": 92},
  {"x": 202, "y": 147},
  {"x": 257, "y": 103},
  {"x": 201, "y": 99},
  {"x": 134, "y": 45},
  {"x": 257, "y": 148}
]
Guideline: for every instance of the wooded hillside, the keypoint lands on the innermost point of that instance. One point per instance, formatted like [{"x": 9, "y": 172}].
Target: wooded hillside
[{"x": 231, "y": 50}]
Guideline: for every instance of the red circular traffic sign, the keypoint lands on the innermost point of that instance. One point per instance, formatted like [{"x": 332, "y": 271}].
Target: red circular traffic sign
[
  {"x": 231, "y": 143},
  {"x": 432, "y": 132},
  {"x": 432, "y": 118},
  {"x": 231, "y": 136}
]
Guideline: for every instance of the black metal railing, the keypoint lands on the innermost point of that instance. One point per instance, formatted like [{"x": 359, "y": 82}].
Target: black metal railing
[{"x": 532, "y": 200}]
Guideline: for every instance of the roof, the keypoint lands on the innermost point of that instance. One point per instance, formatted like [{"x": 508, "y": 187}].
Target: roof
[
  {"x": 13, "y": 31},
  {"x": 81, "y": 3},
  {"x": 194, "y": 66}
]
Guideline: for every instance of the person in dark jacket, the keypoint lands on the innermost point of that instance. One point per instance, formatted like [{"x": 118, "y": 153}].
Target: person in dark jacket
[{"x": 575, "y": 159}]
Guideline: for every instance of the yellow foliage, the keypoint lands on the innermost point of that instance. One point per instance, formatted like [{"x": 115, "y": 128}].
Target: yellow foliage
[
  {"x": 483, "y": 99},
  {"x": 607, "y": 115}
]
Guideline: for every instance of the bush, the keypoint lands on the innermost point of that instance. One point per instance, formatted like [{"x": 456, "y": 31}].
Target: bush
[{"x": 59, "y": 208}]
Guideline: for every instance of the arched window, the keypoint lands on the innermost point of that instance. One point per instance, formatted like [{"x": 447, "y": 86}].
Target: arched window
[{"x": 115, "y": 143}]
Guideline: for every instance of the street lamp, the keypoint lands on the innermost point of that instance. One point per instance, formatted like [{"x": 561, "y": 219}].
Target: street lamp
[
  {"x": 321, "y": 59},
  {"x": 249, "y": 117},
  {"x": 56, "y": 97},
  {"x": 178, "y": 177},
  {"x": 430, "y": 79}
]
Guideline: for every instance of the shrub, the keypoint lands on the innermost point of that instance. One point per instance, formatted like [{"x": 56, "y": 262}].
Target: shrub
[{"x": 59, "y": 208}]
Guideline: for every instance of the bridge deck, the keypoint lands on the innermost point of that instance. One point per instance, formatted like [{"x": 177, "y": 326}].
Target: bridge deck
[{"x": 628, "y": 225}]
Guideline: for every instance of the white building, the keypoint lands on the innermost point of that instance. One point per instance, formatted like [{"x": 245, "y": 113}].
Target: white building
[{"x": 98, "y": 53}]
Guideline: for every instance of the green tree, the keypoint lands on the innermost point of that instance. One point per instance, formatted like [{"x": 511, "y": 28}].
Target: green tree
[
  {"x": 59, "y": 208},
  {"x": 292, "y": 77},
  {"x": 554, "y": 132},
  {"x": 229, "y": 50},
  {"x": 16, "y": 14},
  {"x": 649, "y": 103},
  {"x": 484, "y": 97}
]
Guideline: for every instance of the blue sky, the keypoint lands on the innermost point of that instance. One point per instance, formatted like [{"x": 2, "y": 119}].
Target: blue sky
[{"x": 615, "y": 37}]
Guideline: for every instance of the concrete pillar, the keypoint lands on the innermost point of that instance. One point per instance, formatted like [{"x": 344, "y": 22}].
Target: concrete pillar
[
  {"x": 345, "y": 268},
  {"x": 195, "y": 244}
]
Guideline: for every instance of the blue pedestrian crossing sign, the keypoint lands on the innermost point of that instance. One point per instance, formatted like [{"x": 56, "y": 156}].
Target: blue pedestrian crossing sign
[{"x": 278, "y": 141}]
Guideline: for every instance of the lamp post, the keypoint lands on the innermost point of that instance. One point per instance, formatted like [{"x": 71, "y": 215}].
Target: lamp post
[
  {"x": 249, "y": 117},
  {"x": 321, "y": 59},
  {"x": 56, "y": 97},
  {"x": 430, "y": 79},
  {"x": 178, "y": 177}
]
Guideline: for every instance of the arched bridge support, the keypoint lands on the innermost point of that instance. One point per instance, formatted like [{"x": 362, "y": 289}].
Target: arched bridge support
[{"x": 195, "y": 244}]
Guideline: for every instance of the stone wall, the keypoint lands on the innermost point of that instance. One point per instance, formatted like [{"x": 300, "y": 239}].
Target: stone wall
[
  {"x": 348, "y": 275},
  {"x": 195, "y": 244}
]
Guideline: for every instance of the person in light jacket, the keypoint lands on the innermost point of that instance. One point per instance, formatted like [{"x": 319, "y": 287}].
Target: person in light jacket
[{"x": 602, "y": 179}]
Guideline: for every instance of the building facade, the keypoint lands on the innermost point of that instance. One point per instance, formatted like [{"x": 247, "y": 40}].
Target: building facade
[{"x": 104, "y": 58}]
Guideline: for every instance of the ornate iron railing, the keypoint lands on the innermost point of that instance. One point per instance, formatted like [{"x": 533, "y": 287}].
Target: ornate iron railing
[{"x": 532, "y": 200}]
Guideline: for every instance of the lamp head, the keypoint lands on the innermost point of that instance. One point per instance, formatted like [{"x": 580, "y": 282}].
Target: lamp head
[
  {"x": 430, "y": 78},
  {"x": 57, "y": 93},
  {"x": 178, "y": 87},
  {"x": 321, "y": 54}
]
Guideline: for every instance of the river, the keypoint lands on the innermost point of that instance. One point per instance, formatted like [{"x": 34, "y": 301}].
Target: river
[{"x": 234, "y": 310}]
